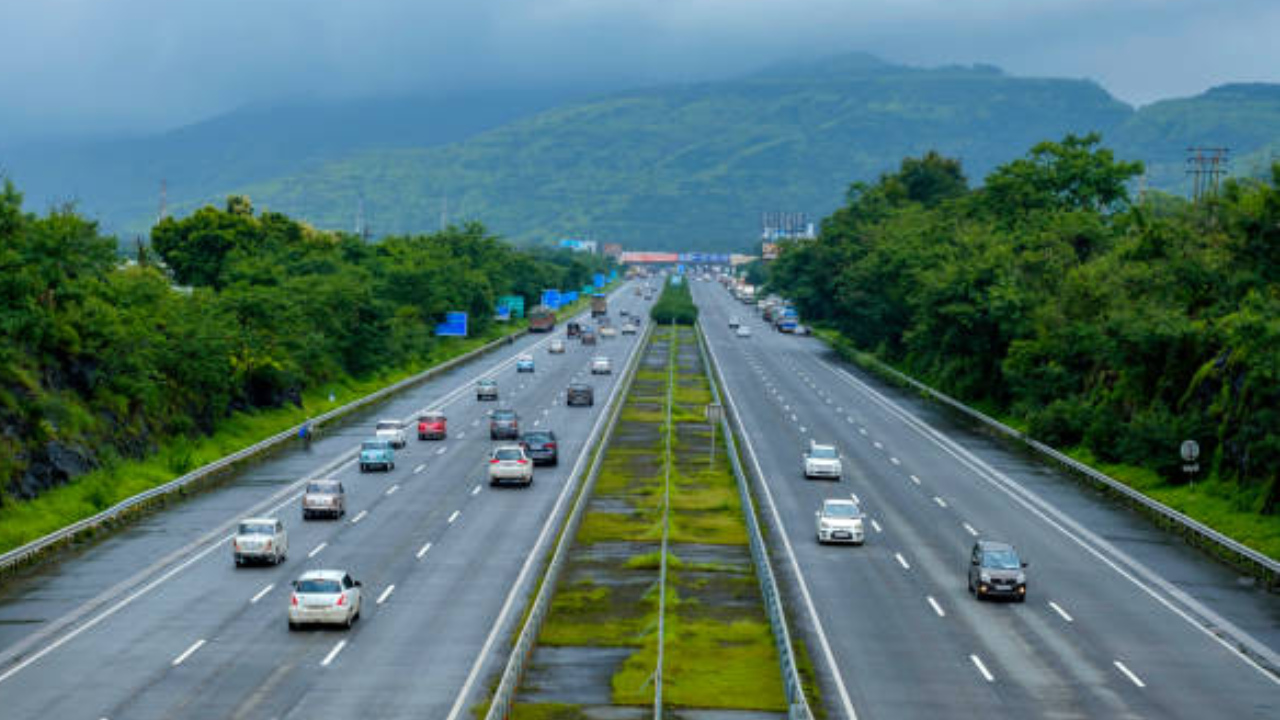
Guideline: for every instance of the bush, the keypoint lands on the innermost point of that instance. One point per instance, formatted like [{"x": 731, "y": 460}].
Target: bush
[{"x": 675, "y": 305}]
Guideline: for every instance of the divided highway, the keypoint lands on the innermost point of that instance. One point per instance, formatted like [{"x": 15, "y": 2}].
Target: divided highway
[
  {"x": 157, "y": 622},
  {"x": 1121, "y": 619}
]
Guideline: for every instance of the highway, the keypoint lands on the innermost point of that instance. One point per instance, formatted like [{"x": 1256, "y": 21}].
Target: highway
[
  {"x": 1122, "y": 620},
  {"x": 157, "y": 622}
]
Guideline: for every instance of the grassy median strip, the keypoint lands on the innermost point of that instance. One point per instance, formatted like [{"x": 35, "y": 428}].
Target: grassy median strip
[{"x": 597, "y": 649}]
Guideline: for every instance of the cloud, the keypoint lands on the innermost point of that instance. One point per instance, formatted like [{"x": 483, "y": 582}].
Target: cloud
[{"x": 86, "y": 65}]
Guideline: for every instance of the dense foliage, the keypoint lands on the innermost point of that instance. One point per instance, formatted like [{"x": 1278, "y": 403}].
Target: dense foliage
[
  {"x": 1048, "y": 296},
  {"x": 105, "y": 359},
  {"x": 675, "y": 304}
]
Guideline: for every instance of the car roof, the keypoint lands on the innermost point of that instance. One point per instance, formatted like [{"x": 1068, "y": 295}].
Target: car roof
[
  {"x": 993, "y": 545},
  {"x": 432, "y": 415},
  {"x": 814, "y": 444},
  {"x": 486, "y": 381},
  {"x": 396, "y": 422},
  {"x": 579, "y": 386},
  {"x": 499, "y": 448},
  {"x": 839, "y": 501},
  {"x": 258, "y": 520},
  {"x": 323, "y": 575}
]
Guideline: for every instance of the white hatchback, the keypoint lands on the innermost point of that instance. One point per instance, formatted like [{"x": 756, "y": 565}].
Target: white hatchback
[
  {"x": 600, "y": 365},
  {"x": 260, "y": 539},
  {"x": 324, "y": 597},
  {"x": 555, "y": 347},
  {"x": 392, "y": 431},
  {"x": 743, "y": 331}
]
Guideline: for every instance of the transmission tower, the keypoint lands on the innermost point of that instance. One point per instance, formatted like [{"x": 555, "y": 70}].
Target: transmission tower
[{"x": 1206, "y": 165}]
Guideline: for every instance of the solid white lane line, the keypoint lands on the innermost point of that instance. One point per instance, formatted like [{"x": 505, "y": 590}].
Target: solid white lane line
[
  {"x": 941, "y": 503},
  {"x": 875, "y": 525},
  {"x": 454, "y": 516},
  {"x": 359, "y": 516},
  {"x": 895, "y": 461},
  {"x": 392, "y": 490},
  {"x": 936, "y": 607},
  {"x": 915, "y": 479},
  {"x": 386, "y": 594},
  {"x": 475, "y": 490},
  {"x": 199, "y": 644},
  {"x": 902, "y": 561},
  {"x": 441, "y": 450},
  {"x": 424, "y": 550},
  {"x": 1058, "y": 609},
  {"x": 420, "y": 468},
  {"x": 977, "y": 662},
  {"x": 969, "y": 529},
  {"x": 333, "y": 653},
  {"x": 1129, "y": 674},
  {"x": 261, "y": 593},
  {"x": 317, "y": 549}
]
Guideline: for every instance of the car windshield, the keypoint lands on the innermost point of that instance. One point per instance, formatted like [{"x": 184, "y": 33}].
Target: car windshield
[
  {"x": 842, "y": 510},
  {"x": 486, "y": 383},
  {"x": 319, "y": 587},
  {"x": 374, "y": 445},
  {"x": 508, "y": 454},
  {"x": 823, "y": 453},
  {"x": 388, "y": 425},
  {"x": 322, "y": 488},
  {"x": 1000, "y": 559},
  {"x": 257, "y": 528}
]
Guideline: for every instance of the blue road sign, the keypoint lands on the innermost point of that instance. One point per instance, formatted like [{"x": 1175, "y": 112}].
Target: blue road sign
[{"x": 454, "y": 325}]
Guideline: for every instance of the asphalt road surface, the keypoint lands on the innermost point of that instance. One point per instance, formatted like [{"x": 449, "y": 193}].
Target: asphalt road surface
[
  {"x": 1121, "y": 620},
  {"x": 157, "y": 622}
]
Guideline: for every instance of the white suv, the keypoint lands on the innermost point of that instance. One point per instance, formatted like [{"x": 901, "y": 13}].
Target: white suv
[
  {"x": 822, "y": 461},
  {"x": 392, "y": 431},
  {"x": 840, "y": 521},
  {"x": 262, "y": 539},
  {"x": 509, "y": 463}
]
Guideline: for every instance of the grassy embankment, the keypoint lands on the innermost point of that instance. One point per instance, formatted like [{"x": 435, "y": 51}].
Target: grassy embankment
[
  {"x": 1223, "y": 506},
  {"x": 718, "y": 647},
  {"x": 24, "y": 521}
]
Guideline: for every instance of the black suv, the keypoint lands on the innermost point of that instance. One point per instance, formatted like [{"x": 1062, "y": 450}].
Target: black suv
[
  {"x": 995, "y": 570},
  {"x": 580, "y": 394},
  {"x": 540, "y": 446},
  {"x": 504, "y": 425}
]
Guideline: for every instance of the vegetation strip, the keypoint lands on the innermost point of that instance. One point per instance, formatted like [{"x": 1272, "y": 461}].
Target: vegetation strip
[{"x": 599, "y": 645}]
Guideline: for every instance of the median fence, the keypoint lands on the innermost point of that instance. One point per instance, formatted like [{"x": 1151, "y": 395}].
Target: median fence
[
  {"x": 798, "y": 704},
  {"x": 1237, "y": 554},
  {"x": 522, "y": 651}
]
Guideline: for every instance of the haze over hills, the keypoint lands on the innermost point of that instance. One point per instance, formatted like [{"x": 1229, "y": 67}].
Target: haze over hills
[{"x": 658, "y": 168}]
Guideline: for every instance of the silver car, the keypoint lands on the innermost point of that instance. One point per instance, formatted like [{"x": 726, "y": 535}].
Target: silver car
[
  {"x": 600, "y": 365},
  {"x": 840, "y": 520},
  {"x": 509, "y": 463},
  {"x": 260, "y": 539},
  {"x": 324, "y": 597},
  {"x": 325, "y": 498},
  {"x": 822, "y": 461}
]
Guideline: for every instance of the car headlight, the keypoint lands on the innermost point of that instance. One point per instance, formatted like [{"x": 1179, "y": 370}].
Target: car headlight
[
  {"x": 1022, "y": 578},
  {"x": 824, "y": 525},
  {"x": 984, "y": 577},
  {"x": 857, "y": 525}
]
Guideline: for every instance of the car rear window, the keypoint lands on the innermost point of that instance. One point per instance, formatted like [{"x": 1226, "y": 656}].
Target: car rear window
[
  {"x": 823, "y": 453},
  {"x": 508, "y": 454},
  {"x": 537, "y": 437},
  {"x": 318, "y": 587},
  {"x": 431, "y": 418},
  {"x": 504, "y": 415},
  {"x": 388, "y": 425},
  {"x": 257, "y": 529},
  {"x": 374, "y": 445},
  {"x": 316, "y": 488}
]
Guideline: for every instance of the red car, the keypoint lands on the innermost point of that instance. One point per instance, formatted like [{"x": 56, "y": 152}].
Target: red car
[{"x": 432, "y": 426}]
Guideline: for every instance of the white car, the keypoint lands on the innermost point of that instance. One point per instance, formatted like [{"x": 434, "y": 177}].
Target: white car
[
  {"x": 600, "y": 365},
  {"x": 822, "y": 461},
  {"x": 555, "y": 347},
  {"x": 324, "y": 597},
  {"x": 629, "y": 329},
  {"x": 734, "y": 322},
  {"x": 743, "y": 331},
  {"x": 840, "y": 521},
  {"x": 608, "y": 331},
  {"x": 260, "y": 539},
  {"x": 393, "y": 432},
  {"x": 509, "y": 463}
]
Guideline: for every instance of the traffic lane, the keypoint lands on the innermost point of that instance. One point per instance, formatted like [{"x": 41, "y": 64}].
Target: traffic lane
[
  {"x": 32, "y": 600},
  {"x": 1214, "y": 654},
  {"x": 295, "y": 543}
]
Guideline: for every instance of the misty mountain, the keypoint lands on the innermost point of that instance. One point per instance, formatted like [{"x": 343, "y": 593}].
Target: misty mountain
[{"x": 662, "y": 167}]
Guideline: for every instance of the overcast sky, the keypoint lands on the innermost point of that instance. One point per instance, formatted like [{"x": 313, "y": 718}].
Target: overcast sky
[{"x": 141, "y": 65}]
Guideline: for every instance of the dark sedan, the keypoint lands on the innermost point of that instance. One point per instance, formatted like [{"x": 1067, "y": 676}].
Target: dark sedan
[
  {"x": 504, "y": 425},
  {"x": 540, "y": 446},
  {"x": 580, "y": 394}
]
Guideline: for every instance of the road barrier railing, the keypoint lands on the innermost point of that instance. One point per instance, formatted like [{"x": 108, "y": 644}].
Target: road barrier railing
[
  {"x": 522, "y": 650},
  {"x": 1232, "y": 551},
  {"x": 797, "y": 704}
]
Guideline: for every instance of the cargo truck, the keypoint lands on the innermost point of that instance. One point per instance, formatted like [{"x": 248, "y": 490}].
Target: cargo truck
[
  {"x": 542, "y": 319},
  {"x": 599, "y": 305}
]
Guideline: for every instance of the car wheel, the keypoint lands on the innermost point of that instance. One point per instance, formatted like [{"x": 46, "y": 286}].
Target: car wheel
[
  {"x": 351, "y": 620},
  {"x": 362, "y": 467},
  {"x": 293, "y": 626},
  {"x": 1022, "y": 598},
  {"x": 239, "y": 561}
]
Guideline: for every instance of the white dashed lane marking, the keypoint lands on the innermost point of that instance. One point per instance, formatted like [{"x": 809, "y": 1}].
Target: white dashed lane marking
[
  {"x": 902, "y": 561},
  {"x": 386, "y": 594},
  {"x": 359, "y": 516},
  {"x": 1129, "y": 674},
  {"x": 317, "y": 549},
  {"x": 986, "y": 674},
  {"x": 424, "y": 550},
  {"x": 936, "y": 607},
  {"x": 261, "y": 593},
  {"x": 454, "y": 516},
  {"x": 196, "y": 646},
  {"x": 1061, "y": 613},
  {"x": 333, "y": 653}
]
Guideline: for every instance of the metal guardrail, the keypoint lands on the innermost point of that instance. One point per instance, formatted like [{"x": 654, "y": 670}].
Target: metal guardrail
[
  {"x": 522, "y": 651},
  {"x": 1240, "y": 555},
  {"x": 28, "y": 552},
  {"x": 797, "y": 704}
]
